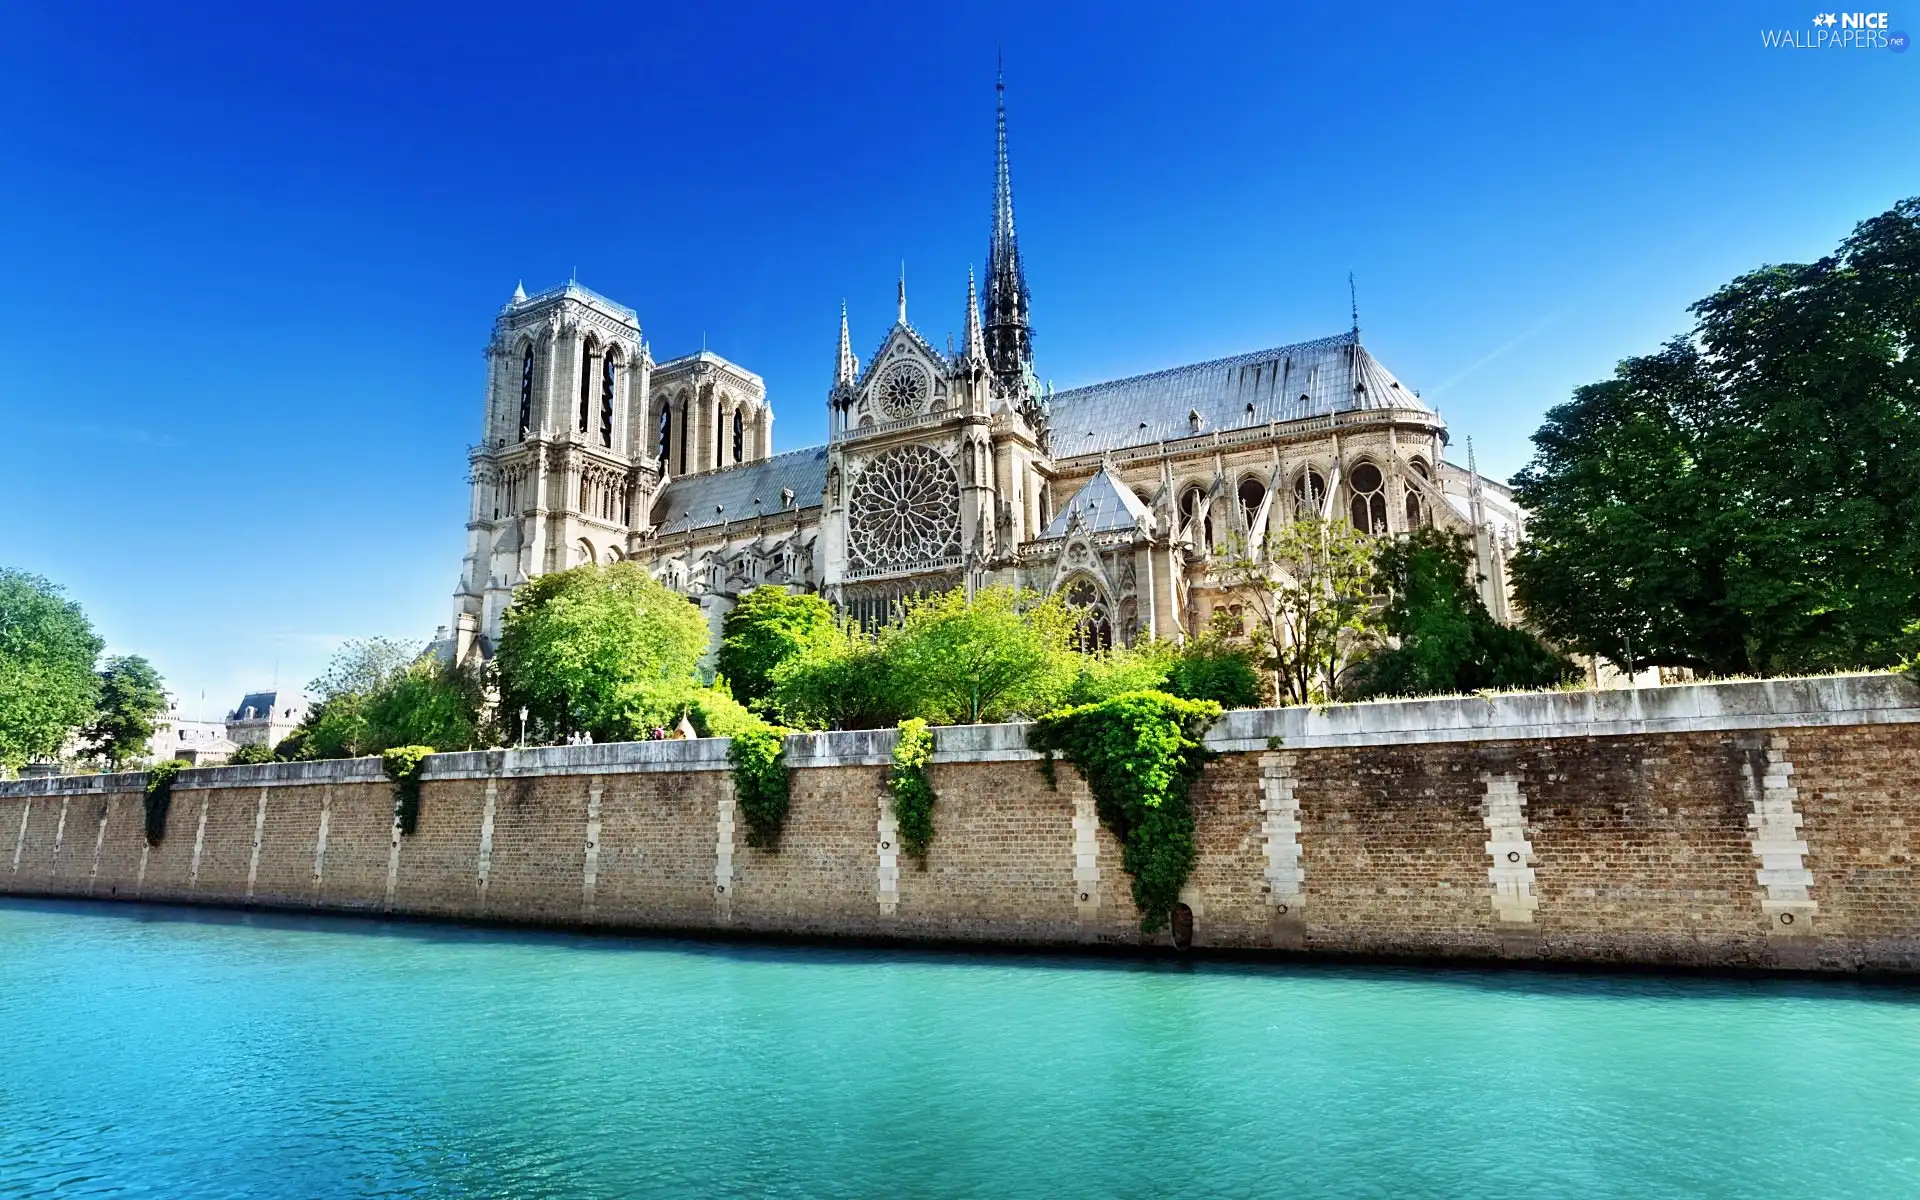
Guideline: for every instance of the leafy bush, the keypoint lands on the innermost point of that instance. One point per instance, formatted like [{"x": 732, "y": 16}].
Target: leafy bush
[
  {"x": 253, "y": 752},
  {"x": 844, "y": 681},
  {"x": 715, "y": 713},
  {"x": 948, "y": 660},
  {"x": 159, "y": 797},
  {"x": 1140, "y": 754},
  {"x": 403, "y": 765},
  {"x": 293, "y": 747},
  {"x": 994, "y": 657},
  {"x": 378, "y": 693},
  {"x": 1142, "y": 667},
  {"x": 428, "y": 703},
  {"x": 912, "y": 789}
]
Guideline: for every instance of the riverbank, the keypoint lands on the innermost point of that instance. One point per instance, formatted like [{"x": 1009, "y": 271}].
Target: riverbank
[{"x": 1758, "y": 825}]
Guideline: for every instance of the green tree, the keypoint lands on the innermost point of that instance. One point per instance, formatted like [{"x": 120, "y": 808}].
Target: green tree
[
  {"x": 131, "y": 695},
  {"x": 336, "y": 725},
  {"x": 378, "y": 693},
  {"x": 253, "y": 752},
  {"x": 769, "y": 626},
  {"x": 998, "y": 655},
  {"x": 604, "y": 650},
  {"x": 1448, "y": 642},
  {"x": 426, "y": 704},
  {"x": 1308, "y": 587},
  {"x": 48, "y": 687},
  {"x": 1748, "y": 499}
]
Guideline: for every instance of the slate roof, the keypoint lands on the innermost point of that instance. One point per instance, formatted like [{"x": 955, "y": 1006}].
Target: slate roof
[
  {"x": 1286, "y": 383},
  {"x": 712, "y": 497},
  {"x": 1103, "y": 502}
]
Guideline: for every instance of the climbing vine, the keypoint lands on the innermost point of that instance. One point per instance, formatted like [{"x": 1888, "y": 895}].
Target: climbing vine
[
  {"x": 159, "y": 796},
  {"x": 404, "y": 765},
  {"x": 1140, "y": 753},
  {"x": 912, "y": 790},
  {"x": 759, "y": 756}
]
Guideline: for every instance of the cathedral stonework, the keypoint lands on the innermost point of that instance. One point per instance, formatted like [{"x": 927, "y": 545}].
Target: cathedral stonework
[{"x": 941, "y": 469}]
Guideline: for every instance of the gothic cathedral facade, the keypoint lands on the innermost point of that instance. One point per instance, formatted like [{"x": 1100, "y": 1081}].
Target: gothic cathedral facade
[{"x": 941, "y": 469}]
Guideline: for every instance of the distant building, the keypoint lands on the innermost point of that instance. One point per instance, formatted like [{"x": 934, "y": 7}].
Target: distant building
[
  {"x": 176, "y": 735},
  {"x": 203, "y": 743},
  {"x": 263, "y": 718}
]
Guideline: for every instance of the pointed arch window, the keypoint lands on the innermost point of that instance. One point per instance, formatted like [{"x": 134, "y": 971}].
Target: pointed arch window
[
  {"x": 1093, "y": 620},
  {"x": 607, "y": 368},
  {"x": 526, "y": 391},
  {"x": 1368, "y": 507},
  {"x": 666, "y": 428},
  {"x": 586, "y": 382},
  {"x": 1414, "y": 511},
  {"x": 1252, "y": 494},
  {"x": 739, "y": 436},
  {"x": 1191, "y": 502}
]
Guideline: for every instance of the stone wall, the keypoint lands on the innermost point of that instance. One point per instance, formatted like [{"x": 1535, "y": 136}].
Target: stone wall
[{"x": 1730, "y": 825}]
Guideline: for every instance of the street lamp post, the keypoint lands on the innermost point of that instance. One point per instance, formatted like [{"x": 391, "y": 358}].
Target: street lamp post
[{"x": 523, "y": 726}]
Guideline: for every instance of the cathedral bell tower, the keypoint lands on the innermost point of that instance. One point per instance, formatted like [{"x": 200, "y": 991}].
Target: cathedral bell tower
[{"x": 563, "y": 473}]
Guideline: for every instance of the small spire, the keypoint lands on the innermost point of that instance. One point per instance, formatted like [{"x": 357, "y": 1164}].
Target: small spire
[
  {"x": 903, "y": 291},
  {"x": 1353, "y": 300},
  {"x": 520, "y": 291},
  {"x": 974, "y": 343},
  {"x": 846, "y": 368}
]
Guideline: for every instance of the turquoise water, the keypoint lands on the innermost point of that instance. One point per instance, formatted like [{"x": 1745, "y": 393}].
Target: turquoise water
[{"x": 148, "y": 1051}]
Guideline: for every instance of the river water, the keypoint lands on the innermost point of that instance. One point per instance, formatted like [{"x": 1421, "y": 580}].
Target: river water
[{"x": 167, "y": 1052}]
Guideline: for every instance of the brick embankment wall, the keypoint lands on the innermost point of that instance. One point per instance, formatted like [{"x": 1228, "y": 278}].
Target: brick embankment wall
[{"x": 1737, "y": 825}]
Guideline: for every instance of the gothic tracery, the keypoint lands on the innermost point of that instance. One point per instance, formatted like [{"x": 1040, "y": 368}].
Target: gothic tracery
[
  {"x": 905, "y": 509},
  {"x": 902, "y": 390}
]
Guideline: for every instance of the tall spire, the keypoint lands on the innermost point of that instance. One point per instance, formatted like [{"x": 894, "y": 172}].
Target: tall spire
[
  {"x": 974, "y": 343},
  {"x": 903, "y": 291},
  {"x": 1009, "y": 337},
  {"x": 846, "y": 368}
]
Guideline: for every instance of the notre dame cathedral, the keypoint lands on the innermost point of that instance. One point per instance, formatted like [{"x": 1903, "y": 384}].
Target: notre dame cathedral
[{"x": 941, "y": 469}]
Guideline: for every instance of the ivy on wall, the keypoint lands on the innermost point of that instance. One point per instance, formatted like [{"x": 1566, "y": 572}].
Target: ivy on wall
[
  {"x": 1139, "y": 753},
  {"x": 404, "y": 765},
  {"x": 912, "y": 789},
  {"x": 759, "y": 757},
  {"x": 159, "y": 796}
]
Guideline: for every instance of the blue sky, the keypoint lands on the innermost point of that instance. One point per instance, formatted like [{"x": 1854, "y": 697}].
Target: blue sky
[{"x": 251, "y": 253}]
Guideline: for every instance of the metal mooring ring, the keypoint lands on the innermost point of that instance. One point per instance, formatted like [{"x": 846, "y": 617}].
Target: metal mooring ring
[
  {"x": 1283, "y": 910},
  {"x": 1513, "y": 856},
  {"x": 1786, "y": 918}
]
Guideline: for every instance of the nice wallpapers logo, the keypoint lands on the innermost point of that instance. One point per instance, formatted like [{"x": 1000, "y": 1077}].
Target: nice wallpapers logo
[{"x": 1839, "y": 31}]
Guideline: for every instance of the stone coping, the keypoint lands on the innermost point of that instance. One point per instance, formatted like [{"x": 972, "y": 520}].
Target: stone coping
[{"x": 1761, "y": 704}]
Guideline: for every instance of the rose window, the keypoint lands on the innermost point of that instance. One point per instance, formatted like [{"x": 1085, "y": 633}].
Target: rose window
[
  {"x": 903, "y": 390},
  {"x": 905, "y": 509}
]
